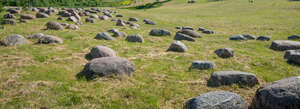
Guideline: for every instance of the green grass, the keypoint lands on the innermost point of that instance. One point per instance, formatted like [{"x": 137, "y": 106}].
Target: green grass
[{"x": 35, "y": 76}]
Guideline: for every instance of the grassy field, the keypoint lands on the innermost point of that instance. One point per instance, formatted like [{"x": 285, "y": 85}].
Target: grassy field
[{"x": 44, "y": 76}]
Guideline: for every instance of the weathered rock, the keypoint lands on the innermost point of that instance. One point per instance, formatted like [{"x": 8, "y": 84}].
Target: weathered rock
[
  {"x": 119, "y": 15},
  {"x": 9, "y": 16},
  {"x": 73, "y": 19},
  {"x": 281, "y": 94},
  {"x": 180, "y": 36},
  {"x": 191, "y": 1},
  {"x": 72, "y": 27},
  {"x": 107, "y": 66},
  {"x": 89, "y": 20},
  {"x": 27, "y": 16},
  {"x": 219, "y": 78},
  {"x": 177, "y": 46},
  {"x": 237, "y": 37},
  {"x": 94, "y": 16},
  {"x": 282, "y": 45},
  {"x": 178, "y": 27},
  {"x": 102, "y": 51},
  {"x": 104, "y": 17},
  {"x": 23, "y": 20},
  {"x": 208, "y": 32},
  {"x": 294, "y": 37},
  {"x": 159, "y": 32},
  {"x": 60, "y": 18},
  {"x": 203, "y": 65},
  {"x": 249, "y": 37},
  {"x": 54, "y": 26},
  {"x": 13, "y": 40},
  {"x": 119, "y": 34},
  {"x": 190, "y": 33},
  {"x": 14, "y": 11},
  {"x": 187, "y": 27},
  {"x": 134, "y": 25},
  {"x": 264, "y": 38},
  {"x": 293, "y": 56},
  {"x": 201, "y": 29},
  {"x": 150, "y": 22},
  {"x": 48, "y": 39},
  {"x": 120, "y": 23},
  {"x": 41, "y": 15},
  {"x": 64, "y": 24},
  {"x": 113, "y": 30},
  {"x": 133, "y": 19},
  {"x": 225, "y": 52},
  {"x": 217, "y": 100},
  {"x": 9, "y": 21},
  {"x": 104, "y": 36},
  {"x": 135, "y": 38},
  {"x": 35, "y": 36}
]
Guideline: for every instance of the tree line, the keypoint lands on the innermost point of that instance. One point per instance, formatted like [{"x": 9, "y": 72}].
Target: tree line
[{"x": 64, "y": 3}]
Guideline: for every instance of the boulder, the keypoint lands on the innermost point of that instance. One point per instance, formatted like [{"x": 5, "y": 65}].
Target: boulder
[
  {"x": 237, "y": 37},
  {"x": 264, "y": 38},
  {"x": 180, "y": 36},
  {"x": 13, "y": 40},
  {"x": 219, "y": 78},
  {"x": 94, "y": 16},
  {"x": 35, "y": 36},
  {"x": 9, "y": 21},
  {"x": 120, "y": 23},
  {"x": 150, "y": 22},
  {"x": 159, "y": 32},
  {"x": 249, "y": 37},
  {"x": 281, "y": 94},
  {"x": 293, "y": 56},
  {"x": 225, "y": 52},
  {"x": 178, "y": 27},
  {"x": 177, "y": 46},
  {"x": 135, "y": 38},
  {"x": 73, "y": 19},
  {"x": 133, "y": 19},
  {"x": 190, "y": 33},
  {"x": 9, "y": 16},
  {"x": 283, "y": 45},
  {"x": 104, "y": 17},
  {"x": 41, "y": 15},
  {"x": 102, "y": 51},
  {"x": 48, "y": 39},
  {"x": 107, "y": 66},
  {"x": 201, "y": 29},
  {"x": 113, "y": 30},
  {"x": 294, "y": 37},
  {"x": 217, "y": 100},
  {"x": 187, "y": 27},
  {"x": 72, "y": 27},
  {"x": 27, "y": 16},
  {"x": 23, "y": 20},
  {"x": 203, "y": 65},
  {"x": 89, "y": 20},
  {"x": 119, "y": 15},
  {"x": 104, "y": 36},
  {"x": 208, "y": 32},
  {"x": 54, "y": 26},
  {"x": 14, "y": 11},
  {"x": 60, "y": 18},
  {"x": 119, "y": 34}
]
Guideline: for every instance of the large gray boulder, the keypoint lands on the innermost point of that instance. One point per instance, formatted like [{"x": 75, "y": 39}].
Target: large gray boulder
[
  {"x": 217, "y": 100},
  {"x": 27, "y": 16},
  {"x": 102, "y": 51},
  {"x": 13, "y": 40},
  {"x": 219, "y": 78},
  {"x": 203, "y": 65},
  {"x": 180, "y": 36},
  {"x": 119, "y": 34},
  {"x": 283, "y": 45},
  {"x": 281, "y": 94},
  {"x": 191, "y": 33},
  {"x": 54, "y": 26},
  {"x": 159, "y": 32},
  {"x": 107, "y": 66},
  {"x": 104, "y": 36},
  {"x": 293, "y": 56},
  {"x": 49, "y": 39},
  {"x": 177, "y": 46},
  {"x": 135, "y": 38},
  {"x": 225, "y": 52}
]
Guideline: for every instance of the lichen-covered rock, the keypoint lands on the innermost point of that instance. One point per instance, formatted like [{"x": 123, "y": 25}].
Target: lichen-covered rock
[
  {"x": 177, "y": 46},
  {"x": 225, "y": 52},
  {"x": 282, "y": 45},
  {"x": 135, "y": 38},
  {"x": 54, "y": 26},
  {"x": 102, "y": 51},
  {"x": 219, "y": 78},
  {"x": 159, "y": 32},
  {"x": 49, "y": 39},
  {"x": 13, "y": 40},
  {"x": 203, "y": 65},
  {"x": 104, "y": 36}
]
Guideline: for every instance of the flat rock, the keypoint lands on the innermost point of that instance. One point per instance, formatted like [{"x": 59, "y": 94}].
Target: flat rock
[
  {"x": 133, "y": 19},
  {"x": 249, "y": 37},
  {"x": 237, "y": 37},
  {"x": 219, "y": 78},
  {"x": 14, "y": 40},
  {"x": 119, "y": 34},
  {"x": 293, "y": 56},
  {"x": 104, "y": 36},
  {"x": 187, "y": 27},
  {"x": 225, "y": 52},
  {"x": 27, "y": 16},
  {"x": 283, "y": 45},
  {"x": 120, "y": 23},
  {"x": 159, "y": 32},
  {"x": 41, "y": 15},
  {"x": 35, "y": 36},
  {"x": 9, "y": 21},
  {"x": 49, "y": 39},
  {"x": 264, "y": 38},
  {"x": 177, "y": 46},
  {"x": 180, "y": 36},
  {"x": 72, "y": 27},
  {"x": 203, "y": 65},
  {"x": 9, "y": 16},
  {"x": 281, "y": 94},
  {"x": 294, "y": 37},
  {"x": 191, "y": 33},
  {"x": 217, "y": 100},
  {"x": 150, "y": 22},
  {"x": 107, "y": 66}
]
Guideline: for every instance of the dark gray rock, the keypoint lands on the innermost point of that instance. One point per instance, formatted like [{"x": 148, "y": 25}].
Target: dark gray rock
[
  {"x": 119, "y": 15},
  {"x": 14, "y": 40},
  {"x": 187, "y": 27},
  {"x": 73, "y": 19},
  {"x": 107, "y": 66},
  {"x": 208, "y": 32},
  {"x": 60, "y": 18},
  {"x": 9, "y": 21},
  {"x": 9, "y": 16},
  {"x": 72, "y": 27},
  {"x": 293, "y": 56},
  {"x": 249, "y": 37},
  {"x": 237, "y": 37},
  {"x": 48, "y": 39},
  {"x": 191, "y": 33},
  {"x": 14, "y": 11},
  {"x": 219, "y": 78},
  {"x": 225, "y": 52},
  {"x": 281, "y": 94},
  {"x": 264, "y": 38},
  {"x": 104, "y": 36},
  {"x": 36, "y": 36},
  {"x": 282, "y": 45},
  {"x": 54, "y": 26},
  {"x": 217, "y": 100},
  {"x": 113, "y": 30},
  {"x": 203, "y": 65},
  {"x": 102, "y": 51},
  {"x": 119, "y": 34},
  {"x": 177, "y": 46},
  {"x": 135, "y": 38},
  {"x": 159, "y": 32},
  {"x": 41, "y": 15},
  {"x": 294, "y": 37},
  {"x": 89, "y": 20},
  {"x": 178, "y": 27},
  {"x": 180, "y": 36},
  {"x": 27, "y": 16},
  {"x": 133, "y": 19},
  {"x": 120, "y": 23},
  {"x": 150, "y": 22},
  {"x": 104, "y": 17},
  {"x": 201, "y": 29},
  {"x": 94, "y": 16}
]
